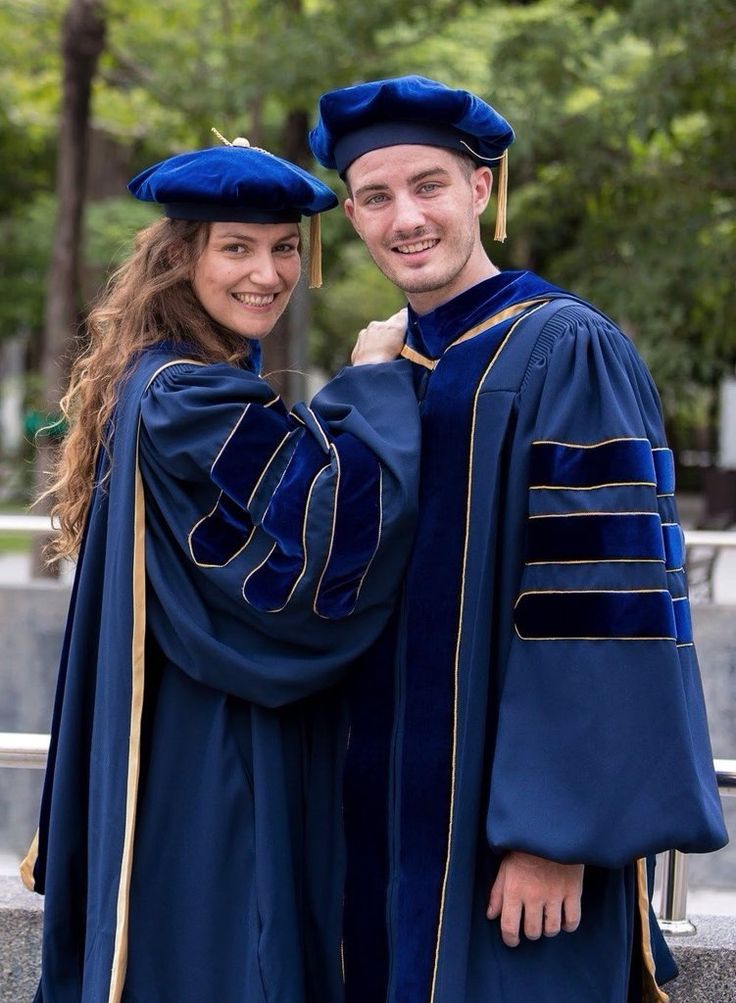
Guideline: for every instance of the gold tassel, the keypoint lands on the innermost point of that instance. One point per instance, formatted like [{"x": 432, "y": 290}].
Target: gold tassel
[
  {"x": 315, "y": 252},
  {"x": 221, "y": 137},
  {"x": 502, "y": 197}
]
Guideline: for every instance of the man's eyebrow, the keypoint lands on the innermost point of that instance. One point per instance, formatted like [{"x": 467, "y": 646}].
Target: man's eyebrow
[
  {"x": 377, "y": 187},
  {"x": 431, "y": 172},
  {"x": 380, "y": 186}
]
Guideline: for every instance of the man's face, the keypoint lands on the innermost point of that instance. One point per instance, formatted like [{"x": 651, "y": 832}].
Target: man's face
[{"x": 417, "y": 208}]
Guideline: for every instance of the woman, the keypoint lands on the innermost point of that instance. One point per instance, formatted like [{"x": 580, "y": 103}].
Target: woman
[{"x": 233, "y": 560}]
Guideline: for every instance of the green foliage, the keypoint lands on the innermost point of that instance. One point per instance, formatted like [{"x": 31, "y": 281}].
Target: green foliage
[
  {"x": 622, "y": 178},
  {"x": 25, "y": 241}
]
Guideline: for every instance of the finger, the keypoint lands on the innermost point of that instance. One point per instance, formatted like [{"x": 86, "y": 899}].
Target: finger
[
  {"x": 510, "y": 921},
  {"x": 533, "y": 920},
  {"x": 571, "y": 910},
  {"x": 552, "y": 919},
  {"x": 358, "y": 345},
  {"x": 495, "y": 901}
]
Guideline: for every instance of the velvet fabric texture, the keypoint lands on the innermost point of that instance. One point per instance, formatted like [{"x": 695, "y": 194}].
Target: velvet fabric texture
[
  {"x": 591, "y": 536},
  {"x": 410, "y": 109},
  {"x": 620, "y": 461},
  {"x": 468, "y": 740},
  {"x": 232, "y": 184},
  {"x": 553, "y": 616},
  {"x": 235, "y": 855}
]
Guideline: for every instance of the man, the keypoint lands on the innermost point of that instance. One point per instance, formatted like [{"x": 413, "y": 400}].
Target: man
[{"x": 532, "y": 725}]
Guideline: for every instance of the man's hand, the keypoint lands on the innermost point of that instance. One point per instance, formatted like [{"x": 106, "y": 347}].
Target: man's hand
[
  {"x": 547, "y": 893},
  {"x": 381, "y": 341}
]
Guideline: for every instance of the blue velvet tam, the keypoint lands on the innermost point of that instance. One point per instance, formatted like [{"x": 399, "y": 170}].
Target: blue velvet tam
[
  {"x": 232, "y": 183},
  {"x": 415, "y": 110}
]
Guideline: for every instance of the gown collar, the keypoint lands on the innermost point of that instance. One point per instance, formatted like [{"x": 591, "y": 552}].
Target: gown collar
[{"x": 431, "y": 333}]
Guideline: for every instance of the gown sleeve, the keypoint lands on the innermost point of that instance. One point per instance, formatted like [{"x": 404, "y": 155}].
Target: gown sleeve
[
  {"x": 602, "y": 750},
  {"x": 275, "y": 540}
]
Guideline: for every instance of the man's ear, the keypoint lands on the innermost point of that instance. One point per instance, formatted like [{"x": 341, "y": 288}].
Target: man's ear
[
  {"x": 482, "y": 183},
  {"x": 348, "y": 208}
]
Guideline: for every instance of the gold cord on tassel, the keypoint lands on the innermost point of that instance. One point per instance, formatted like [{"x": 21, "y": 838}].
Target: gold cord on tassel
[
  {"x": 315, "y": 252},
  {"x": 221, "y": 137},
  {"x": 502, "y": 197}
]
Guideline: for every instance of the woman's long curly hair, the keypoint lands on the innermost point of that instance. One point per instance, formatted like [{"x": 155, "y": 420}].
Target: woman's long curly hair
[{"x": 149, "y": 299}]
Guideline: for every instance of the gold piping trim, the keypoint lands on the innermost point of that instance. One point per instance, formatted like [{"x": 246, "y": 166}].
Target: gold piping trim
[
  {"x": 28, "y": 863},
  {"x": 651, "y": 992},
  {"x": 263, "y": 473},
  {"x": 219, "y": 497},
  {"x": 593, "y": 487},
  {"x": 523, "y": 637},
  {"x": 577, "y": 592},
  {"x": 138, "y": 644},
  {"x": 335, "y": 496},
  {"x": 601, "y": 560},
  {"x": 575, "y": 515},
  {"x": 497, "y": 318},
  {"x": 490, "y": 365},
  {"x": 421, "y": 360},
  {"x": 201, "y": 564},
  {"x": 512, "y": 311},
  {"x": 589, "y": 445},
  {"x": 372, "y": 557},
  {"x": 120, "y": 955},
  {"x": 325, "y": 440},
  {"x": 278, "y": 609}
]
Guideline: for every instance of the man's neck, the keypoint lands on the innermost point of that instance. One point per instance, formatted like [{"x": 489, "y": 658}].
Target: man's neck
[{"x": 472, "y": 274}]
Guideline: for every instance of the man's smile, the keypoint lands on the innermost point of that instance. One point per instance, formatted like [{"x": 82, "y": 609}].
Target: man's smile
[{"x": 417, "y": 247}]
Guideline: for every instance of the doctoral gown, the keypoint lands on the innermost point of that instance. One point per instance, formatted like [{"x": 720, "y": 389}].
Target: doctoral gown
[
  {"x": 236, "y": 559},
  {"x": 538, "y": 689}
]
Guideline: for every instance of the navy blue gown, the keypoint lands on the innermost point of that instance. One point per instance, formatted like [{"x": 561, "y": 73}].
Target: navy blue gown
[
  {"x": 538, "y": 689},
  {"x": 236, "y": 560}
]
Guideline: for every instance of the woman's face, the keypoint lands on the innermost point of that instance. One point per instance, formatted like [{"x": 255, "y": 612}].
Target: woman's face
[{"x": 246, "y": 273}]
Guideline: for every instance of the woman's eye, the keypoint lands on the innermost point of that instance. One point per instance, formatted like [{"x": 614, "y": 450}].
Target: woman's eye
[
  {"x": 286, "y": 248},
  {"x": 235, "y": 248}
]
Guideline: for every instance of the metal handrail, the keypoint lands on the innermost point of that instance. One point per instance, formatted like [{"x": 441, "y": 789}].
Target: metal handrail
[
  {"x": 23, "y": 751},
  {"x": 672, "y": 916},
  {"x": 25, "y": 524}
]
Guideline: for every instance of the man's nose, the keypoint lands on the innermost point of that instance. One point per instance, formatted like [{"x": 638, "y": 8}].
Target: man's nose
[{"x": 408, "y": 214}]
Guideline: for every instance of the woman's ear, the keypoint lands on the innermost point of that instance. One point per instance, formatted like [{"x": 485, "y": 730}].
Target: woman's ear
[{"x": 348, "y": 208}]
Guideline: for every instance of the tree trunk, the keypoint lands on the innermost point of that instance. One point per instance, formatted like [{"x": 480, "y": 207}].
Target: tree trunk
[
  {"x": 82, "y": 41},
  {"x": 284, "y": 350}
]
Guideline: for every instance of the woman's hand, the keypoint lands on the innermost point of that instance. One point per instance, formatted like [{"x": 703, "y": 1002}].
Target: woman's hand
[{"x": 381, "y": 341}]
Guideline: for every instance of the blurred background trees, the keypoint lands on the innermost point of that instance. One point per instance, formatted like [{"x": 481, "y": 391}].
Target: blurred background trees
[{"x": 622, "y": 179}]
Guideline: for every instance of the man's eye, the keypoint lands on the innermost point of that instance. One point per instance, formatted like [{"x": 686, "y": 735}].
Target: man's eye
[
  {"x": 430, "y": 186},
  {"x": 375, "y": 200}
]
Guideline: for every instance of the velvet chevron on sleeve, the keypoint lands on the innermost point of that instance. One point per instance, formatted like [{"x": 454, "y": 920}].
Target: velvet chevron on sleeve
[
  {"x": 237, "y": 559},
  {"x": 538, "y": 688},
  {"x": 601, "y": 665}
]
